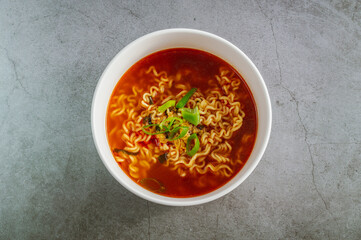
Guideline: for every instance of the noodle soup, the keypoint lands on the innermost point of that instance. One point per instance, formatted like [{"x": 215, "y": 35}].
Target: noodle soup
[{"x": 181, "y": 122}]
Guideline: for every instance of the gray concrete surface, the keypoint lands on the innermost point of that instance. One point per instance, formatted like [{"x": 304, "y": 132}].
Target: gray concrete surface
[{"x": 53, "y": 184}]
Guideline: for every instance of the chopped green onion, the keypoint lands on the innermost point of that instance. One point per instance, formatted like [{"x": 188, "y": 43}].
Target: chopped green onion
[
  {"x": 151, "y": 102},
  {"x": 171, "y": 120},
  {"x": 176, "y": 130},
  {"x": 186, "y": 97},
  {"x": 195, "y": 148},
  {"x": 180, "y": 121},
  {"x": 153, "y": 133},
  {"x": 166, "y": 105},
  {"x": 191, "y": 115}
]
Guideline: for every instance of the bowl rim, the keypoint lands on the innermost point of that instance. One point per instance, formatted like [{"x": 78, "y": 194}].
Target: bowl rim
[{"x": 172, "y": 201}]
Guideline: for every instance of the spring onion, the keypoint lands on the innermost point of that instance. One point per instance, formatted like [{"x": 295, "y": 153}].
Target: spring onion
[
  {"x": 191, "y": 115},
  {"x": 195, "y": 148},
  {"x": 183, "y": 132},
  {"x": 166, "y": 105},
  {"x": 186, "y": 97},
  {"x": 158, "y": 129},
  {"x": 168, "y": 123}
]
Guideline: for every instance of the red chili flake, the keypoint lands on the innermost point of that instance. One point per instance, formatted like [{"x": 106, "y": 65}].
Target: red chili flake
[
  {"x": 155, "y": 141},
  {"x": 143, "y": 144}
]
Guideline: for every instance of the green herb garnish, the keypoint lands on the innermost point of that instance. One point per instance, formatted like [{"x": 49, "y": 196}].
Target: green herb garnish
[
  {"x": 166, "y": 105},
  {"x": 191, "y": 115},
  {"x": 195, "y": 148},
  {"x": 158, "y": 130},
  {"x": 171, "y": 123},
  {"x": 182, "y": 133},
  {"x": 186, "y": 97},
  {"x": 172, "y": 126}
]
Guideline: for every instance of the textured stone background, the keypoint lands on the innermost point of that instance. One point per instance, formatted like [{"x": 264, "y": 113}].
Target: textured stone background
[{"x": 53, "y": 184}]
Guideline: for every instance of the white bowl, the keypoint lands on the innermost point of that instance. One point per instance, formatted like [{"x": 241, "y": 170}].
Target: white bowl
[{"x": 179, "y": 38}]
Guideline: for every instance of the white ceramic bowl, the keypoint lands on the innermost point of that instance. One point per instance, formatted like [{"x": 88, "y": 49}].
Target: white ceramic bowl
[{"x": 179, "y": 38}]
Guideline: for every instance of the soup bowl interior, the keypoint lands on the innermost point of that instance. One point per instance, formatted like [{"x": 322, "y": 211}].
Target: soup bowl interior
[{"x": 179, "y": 38}]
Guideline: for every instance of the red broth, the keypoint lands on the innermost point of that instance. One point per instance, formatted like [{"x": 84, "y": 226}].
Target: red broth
[{"x": 202, "y": 66}]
